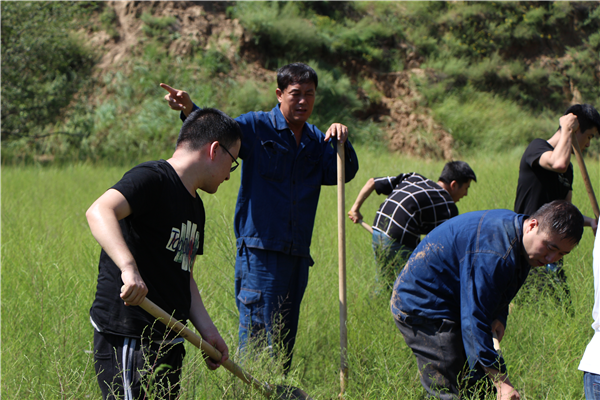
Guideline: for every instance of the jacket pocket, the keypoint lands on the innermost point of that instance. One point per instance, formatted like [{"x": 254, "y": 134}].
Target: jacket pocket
[{"x": 273, "y": 161}]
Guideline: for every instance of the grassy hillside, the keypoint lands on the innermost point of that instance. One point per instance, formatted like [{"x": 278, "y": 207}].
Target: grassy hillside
[{"x": 491, "y": 74}]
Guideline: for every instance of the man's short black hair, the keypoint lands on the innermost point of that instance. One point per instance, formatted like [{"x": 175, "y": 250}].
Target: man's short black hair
[
  {"x": 458, "y": 171},
  {"x": 295, "y": 73},
  {"x": 562, "y": 218},
  {"x": 587, "y": 116},
  {"x": 208, "y": 125}
]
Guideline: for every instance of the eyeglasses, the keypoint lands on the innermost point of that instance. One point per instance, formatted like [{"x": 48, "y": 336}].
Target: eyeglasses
[{"x": 237, "y": 164}]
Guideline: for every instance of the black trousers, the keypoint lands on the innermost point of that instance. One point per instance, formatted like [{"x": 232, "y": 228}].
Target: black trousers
[
  {"x": 442, "y": 361},
  {"x": 132, "y": 368}
]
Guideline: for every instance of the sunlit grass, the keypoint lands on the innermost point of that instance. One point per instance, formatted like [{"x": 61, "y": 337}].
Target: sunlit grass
[{"x": 49, "y": 268}]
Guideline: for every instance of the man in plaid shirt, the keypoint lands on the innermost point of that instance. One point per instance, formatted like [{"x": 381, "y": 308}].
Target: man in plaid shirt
[{"x": 414, "y": 206}]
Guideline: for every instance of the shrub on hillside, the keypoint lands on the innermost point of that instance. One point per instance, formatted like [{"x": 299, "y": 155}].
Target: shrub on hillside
[
  {"x": 44, "y": 65},
  {"x": 553, "y": 45},
  {"x": 337, "y": 34}
]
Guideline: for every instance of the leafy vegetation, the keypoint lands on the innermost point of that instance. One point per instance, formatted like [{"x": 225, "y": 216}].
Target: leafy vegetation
[
  {"x": 528, "y": 52},
  {"x": 45, "y": 64},
  {"x": 525, "y": 51},
  {"x": 517, "y": 63},
  {"x": 340, "y": 33},
  {"x": 157, "y": 27}
]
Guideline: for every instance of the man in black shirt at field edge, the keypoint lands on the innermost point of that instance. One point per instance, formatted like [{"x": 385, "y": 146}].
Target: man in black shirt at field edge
[{"x": 546, "y": 172}]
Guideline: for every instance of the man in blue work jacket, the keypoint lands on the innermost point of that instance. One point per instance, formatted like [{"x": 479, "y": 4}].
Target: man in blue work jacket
[
  {"x": 452, "y": 296},
  {"x": 285, "y": 162}
]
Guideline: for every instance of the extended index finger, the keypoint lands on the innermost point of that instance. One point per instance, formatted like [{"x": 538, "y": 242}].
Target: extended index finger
[{"x": 169, "y": 88}]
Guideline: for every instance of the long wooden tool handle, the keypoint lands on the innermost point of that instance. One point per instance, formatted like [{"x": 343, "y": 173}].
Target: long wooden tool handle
[
  {"x": 366, "y": 226},
  {"x": 341, "y": 182},
  {"x": 197, "y": 341},
  {"x": 586, "y": 179}
]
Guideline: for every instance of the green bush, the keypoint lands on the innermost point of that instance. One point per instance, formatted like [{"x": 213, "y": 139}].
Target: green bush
[
  {"x": 281, "y": 29},
  {"x": 108, "y": 19},
  {"x": 484, "y": 45},
  {"x": 331, "y": 32},
  {"x": 159, "y": 28},
  {"x": 44, "y": 65},
  {"x": 214, "y": 62}
]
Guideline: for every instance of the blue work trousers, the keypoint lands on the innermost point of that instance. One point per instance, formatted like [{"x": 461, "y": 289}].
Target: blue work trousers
[
  {"x": 269, "y": 287},
  {"x": 390, "y": 257},
  {"x": 591, "y": 386}
]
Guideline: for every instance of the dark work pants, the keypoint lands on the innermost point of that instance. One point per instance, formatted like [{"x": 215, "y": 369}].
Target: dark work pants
[
  {"x": 441, "y": 358},
  {"x": 128, "y": 370}
]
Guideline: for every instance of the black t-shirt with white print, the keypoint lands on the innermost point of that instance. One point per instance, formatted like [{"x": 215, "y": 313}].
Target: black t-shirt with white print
[
  {"x": 164, "y": 232},
  {"x": 414, "y": 206}
]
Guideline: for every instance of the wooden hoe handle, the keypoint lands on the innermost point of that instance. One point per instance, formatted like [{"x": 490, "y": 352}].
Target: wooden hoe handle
[
  {"x": 366, "y": 226},
  {"x": 197, "y": 341},
  {"x": 341, "y": 182},
  {"x": 586, "y": 179}
]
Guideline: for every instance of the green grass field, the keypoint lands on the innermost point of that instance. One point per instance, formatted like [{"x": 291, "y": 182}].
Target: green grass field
[{"x": 49, "y": 267}]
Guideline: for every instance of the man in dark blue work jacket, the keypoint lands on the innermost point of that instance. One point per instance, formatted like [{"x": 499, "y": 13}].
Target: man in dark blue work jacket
[
  {"x": 286, "y": 160},
  {"x": 452, "y": 296}
]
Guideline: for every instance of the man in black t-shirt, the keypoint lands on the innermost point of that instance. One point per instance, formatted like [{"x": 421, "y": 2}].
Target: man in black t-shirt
[
  {"x": 537, "y": 185},
  {"x": 546, "y": 172},
  {"x": 413, "y": 207},
  {"x": 151, "y": 227}
]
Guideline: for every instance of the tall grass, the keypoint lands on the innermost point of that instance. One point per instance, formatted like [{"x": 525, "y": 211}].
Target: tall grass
[
  {"x": 482, "y": 122},
  {"x": 49, "y": 261}
]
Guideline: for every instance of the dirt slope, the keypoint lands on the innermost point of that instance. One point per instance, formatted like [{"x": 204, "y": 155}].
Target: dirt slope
[{"x": 410, "y": 129}]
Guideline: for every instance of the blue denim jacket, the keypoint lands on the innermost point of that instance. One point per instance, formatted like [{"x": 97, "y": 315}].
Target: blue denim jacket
[
  {"x": 468, "y": 270},
  {"x": 281, "y": 182}
]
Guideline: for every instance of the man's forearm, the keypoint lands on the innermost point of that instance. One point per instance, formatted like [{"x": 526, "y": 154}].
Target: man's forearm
[
  {"x": 365, "y": 192},
  {"x": 207, "y": 329},
  {"x": 187, "y": 111},
  {"x": 564, "y": 149}
]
